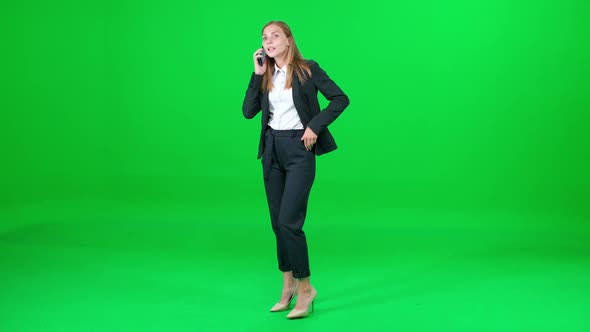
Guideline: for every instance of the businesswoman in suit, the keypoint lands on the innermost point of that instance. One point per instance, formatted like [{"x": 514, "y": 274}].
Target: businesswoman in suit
[{"x": 293, "y": 132}]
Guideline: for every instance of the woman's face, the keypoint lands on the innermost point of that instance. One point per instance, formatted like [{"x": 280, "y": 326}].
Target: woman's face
[{"x": 274, "y": 41}]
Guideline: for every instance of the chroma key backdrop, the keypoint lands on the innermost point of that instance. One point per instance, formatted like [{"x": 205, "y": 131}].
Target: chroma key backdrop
[{"x": 131, "y": 198}]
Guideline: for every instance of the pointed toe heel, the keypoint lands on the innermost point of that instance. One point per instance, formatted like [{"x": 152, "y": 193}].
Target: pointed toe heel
[
  {"x": 282, "y": 306},
  {"x": 301, "y": 313}
]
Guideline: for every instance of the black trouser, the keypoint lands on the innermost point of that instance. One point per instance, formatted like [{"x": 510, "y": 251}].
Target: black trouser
[{"x": 289, "y": 171}]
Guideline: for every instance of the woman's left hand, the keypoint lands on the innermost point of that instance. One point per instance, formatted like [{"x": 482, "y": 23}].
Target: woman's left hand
[{"x": 309, "y": 138}]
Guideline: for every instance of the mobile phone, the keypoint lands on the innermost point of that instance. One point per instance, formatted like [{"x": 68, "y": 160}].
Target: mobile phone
[{"x": 262, "y": 59}]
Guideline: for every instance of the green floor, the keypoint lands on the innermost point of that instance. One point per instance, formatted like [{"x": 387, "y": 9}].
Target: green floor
[{"x": 161, "y": 269}]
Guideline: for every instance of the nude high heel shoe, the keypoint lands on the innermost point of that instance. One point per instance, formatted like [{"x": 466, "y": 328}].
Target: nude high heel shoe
[
  {"x": 282, "y": 307},
  {"x": 300, "y": 313}
]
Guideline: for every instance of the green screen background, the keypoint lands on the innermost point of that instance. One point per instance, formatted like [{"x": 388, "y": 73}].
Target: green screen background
[{"x": 467, "y": 136}]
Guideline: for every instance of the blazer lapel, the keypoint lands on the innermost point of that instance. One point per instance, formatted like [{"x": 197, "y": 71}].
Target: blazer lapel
[
  {"x": 300, "y": 106},
  {"x": 265, "y": 106}
]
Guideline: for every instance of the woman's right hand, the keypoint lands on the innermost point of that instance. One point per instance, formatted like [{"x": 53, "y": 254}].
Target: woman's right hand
[{"x": 258, "y": 69}]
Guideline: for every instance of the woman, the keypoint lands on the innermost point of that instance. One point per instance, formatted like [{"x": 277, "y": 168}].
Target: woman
[{"x": 293, "y": 132}]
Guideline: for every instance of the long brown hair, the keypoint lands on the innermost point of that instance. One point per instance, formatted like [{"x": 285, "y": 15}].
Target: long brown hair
[{"x": 295, "y": 61}]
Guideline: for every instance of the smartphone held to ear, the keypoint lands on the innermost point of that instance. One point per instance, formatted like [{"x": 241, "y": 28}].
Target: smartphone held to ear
[{"x": 262, "y": 59}]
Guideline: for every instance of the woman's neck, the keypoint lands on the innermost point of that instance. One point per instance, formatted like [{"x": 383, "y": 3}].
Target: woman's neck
[{"x": 281, "y": 61}]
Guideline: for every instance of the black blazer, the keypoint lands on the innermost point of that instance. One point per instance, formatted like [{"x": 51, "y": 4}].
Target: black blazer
[{"x": 307, "y": 105}]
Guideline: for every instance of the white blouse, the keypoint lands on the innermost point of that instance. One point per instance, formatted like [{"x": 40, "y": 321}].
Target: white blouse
[{"x": 283, "y": 115}]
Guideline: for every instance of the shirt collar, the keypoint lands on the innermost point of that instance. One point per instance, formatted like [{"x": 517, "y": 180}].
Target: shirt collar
[{"x": 283, "y": 70}]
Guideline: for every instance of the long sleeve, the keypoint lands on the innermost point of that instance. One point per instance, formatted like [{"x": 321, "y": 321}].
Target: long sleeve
[
  {"x": 338, "y": 99},
  {"x": 251, "y": 105}
]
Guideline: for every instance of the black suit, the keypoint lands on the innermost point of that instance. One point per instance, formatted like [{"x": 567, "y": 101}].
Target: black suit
[
  {"x": 306, "y": 103},
  {"x": 289, "y": 169}
]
